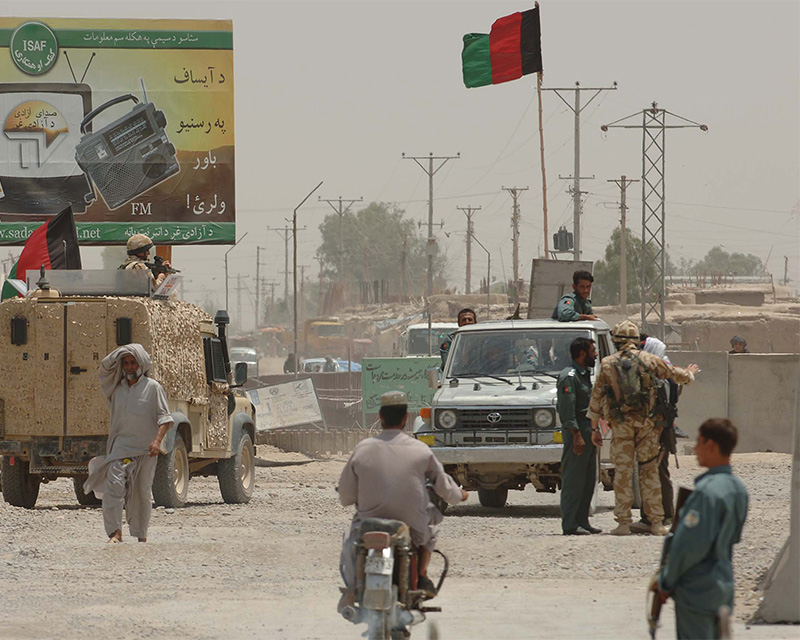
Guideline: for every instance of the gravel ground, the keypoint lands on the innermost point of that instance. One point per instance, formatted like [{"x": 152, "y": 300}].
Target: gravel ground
[{"x": 268, "y": 569}]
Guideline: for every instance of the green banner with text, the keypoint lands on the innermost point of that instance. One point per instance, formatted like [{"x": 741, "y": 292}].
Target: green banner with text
[
  {"x": 129, "y": 122},
  {"x": 379, "y": 375}
]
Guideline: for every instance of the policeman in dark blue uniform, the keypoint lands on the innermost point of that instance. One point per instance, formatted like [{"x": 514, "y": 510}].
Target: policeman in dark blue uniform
[
  {"x": 576, "y": 305},
  {"x": 698, "y": 572},
  {"x": 578, "y": 457}
]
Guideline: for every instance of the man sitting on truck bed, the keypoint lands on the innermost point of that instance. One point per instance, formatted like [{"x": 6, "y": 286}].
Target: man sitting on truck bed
[{"x": 576, "y": 305}]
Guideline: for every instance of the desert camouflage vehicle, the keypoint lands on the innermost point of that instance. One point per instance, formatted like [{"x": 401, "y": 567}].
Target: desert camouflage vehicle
[{"x": 54, "y": 417}]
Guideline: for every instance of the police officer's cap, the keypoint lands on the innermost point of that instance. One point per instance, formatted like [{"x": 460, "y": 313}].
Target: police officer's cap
[
  {"x": 394, "y": 399},
  {"x": 625, "y": 331},
  {"x": 139, "y": 243}
]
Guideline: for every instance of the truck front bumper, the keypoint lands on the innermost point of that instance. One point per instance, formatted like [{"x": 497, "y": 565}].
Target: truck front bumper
[{"x": 538, "y": 454}]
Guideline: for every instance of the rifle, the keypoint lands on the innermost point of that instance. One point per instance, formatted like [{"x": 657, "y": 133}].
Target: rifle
[
  {"x": 157, "y": 267},
  {"x": 654, "y": 612}
]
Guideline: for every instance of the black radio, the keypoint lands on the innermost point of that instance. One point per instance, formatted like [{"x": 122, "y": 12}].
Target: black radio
[{"x": 129, "y": 156}]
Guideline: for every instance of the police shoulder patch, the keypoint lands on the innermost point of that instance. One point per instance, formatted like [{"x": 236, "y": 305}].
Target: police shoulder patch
[
  {"x": 691, "y": 519},
  {"x": 568, "y": 301}
]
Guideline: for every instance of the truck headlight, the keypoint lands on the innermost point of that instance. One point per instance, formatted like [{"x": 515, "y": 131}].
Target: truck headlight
[
  {"x": 446, "y": 419},
  {"x": 543, "y": 418}
]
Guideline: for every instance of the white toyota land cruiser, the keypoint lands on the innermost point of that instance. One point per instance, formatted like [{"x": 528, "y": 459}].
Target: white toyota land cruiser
[{"x": 493, "y": 422}]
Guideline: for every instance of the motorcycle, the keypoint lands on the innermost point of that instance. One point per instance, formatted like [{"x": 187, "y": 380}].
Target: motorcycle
[{"x": 387, "y": 597}]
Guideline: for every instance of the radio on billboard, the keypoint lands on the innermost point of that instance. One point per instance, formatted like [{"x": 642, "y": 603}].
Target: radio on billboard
[{"x": 129, "y": 156}]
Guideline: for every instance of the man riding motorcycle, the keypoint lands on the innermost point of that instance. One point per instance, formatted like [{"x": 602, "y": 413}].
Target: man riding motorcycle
[{"x": 387, "y": 477}]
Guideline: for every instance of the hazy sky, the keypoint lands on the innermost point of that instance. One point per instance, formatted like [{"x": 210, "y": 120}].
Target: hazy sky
[{"x": 336, "y": 91}]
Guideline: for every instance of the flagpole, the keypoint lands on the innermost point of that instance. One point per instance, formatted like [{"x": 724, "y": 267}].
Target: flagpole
[{"x": 544, "y": 174}]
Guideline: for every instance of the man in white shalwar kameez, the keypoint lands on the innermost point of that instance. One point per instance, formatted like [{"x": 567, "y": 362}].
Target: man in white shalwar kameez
[{"x": 140, "y": 418}]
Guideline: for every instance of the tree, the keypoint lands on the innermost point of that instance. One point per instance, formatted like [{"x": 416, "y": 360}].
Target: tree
[
  {"x": 606, "y": 272},
  {"x": 718, "y": 260},
  {"x": 372, "y": 249}
]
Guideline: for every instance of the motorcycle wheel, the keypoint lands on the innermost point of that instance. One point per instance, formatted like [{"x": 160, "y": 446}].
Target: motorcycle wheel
[{"x": 379, "y": 625}]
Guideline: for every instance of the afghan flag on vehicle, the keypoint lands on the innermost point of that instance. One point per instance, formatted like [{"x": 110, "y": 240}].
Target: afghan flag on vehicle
[
  {"x": 54, "y": 245},
  {"x": 511, "y": 50}
]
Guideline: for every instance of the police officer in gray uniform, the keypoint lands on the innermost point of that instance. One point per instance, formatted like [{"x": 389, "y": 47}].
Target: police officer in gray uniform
[
  {"x": 698, "y": 572},
  {"x": 576, "y": 305},
  {"x": 578, "y": 457}
]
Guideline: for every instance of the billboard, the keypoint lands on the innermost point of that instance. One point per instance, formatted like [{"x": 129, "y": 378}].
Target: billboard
[
  {"x": 379, "y": 375},
  {"x": 288, "y": 404},
  {"x": 128, "y": 121}
]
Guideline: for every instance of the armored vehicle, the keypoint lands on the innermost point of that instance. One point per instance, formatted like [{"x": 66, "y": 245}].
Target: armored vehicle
[
  {"x": 54, "y": 416},
  {"x": 493, "y": 422}
]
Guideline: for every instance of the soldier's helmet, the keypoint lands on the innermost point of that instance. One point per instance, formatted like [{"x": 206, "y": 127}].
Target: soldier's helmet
[
  {"x": 625, "y": 331},
  {"x": 139, "y": 243}
]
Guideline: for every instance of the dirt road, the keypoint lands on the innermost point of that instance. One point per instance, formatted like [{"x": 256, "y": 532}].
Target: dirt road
[{"x": 269, "y": 569}]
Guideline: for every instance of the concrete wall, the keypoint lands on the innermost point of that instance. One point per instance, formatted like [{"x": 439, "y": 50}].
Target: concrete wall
[
  {"x": 740, "y": 297},
  {"x": 778, "y": 333},
  {"x": 707, "y": 396},
  {"x": 756, "y": 391},
  {"x": 761, "y": 400}
]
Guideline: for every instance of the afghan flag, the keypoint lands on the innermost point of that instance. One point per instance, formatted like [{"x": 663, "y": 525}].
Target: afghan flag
[
  {"x": 54, "y": 245},
  {"x": 512, "y": 49}
]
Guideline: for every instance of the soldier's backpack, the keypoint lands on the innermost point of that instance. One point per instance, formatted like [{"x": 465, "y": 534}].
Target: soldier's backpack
[{"x": 633, "y": 383}]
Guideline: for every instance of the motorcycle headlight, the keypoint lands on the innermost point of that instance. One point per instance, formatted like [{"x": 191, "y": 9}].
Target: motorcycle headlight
[
  {"x": 543, "y": 418},
  {"x": 446, "y": 419}
]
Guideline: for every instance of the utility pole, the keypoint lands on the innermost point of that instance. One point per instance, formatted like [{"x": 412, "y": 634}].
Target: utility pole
[
  {"x": 340, "y": 210},
  {"x": 272, "y": 284},
  {"x": 403, "y": 257},
  {"x": 239, "y": 289},
  {"x": 302, "y": 290},
  {"x": 431, "y": 245},
  {"x": 623, "y": 184},
  {"x": 259, "y": 315},
  {"x": 319, "y": 293},
  {"x": 285, "y": 233},
  {"x": 654, "y": 256},
  {"x": 469, "y": 211},
  {"x": 515, "y": 191},
  {"x": 785, "y": 270},
  {"x": 576, "y": 177}
]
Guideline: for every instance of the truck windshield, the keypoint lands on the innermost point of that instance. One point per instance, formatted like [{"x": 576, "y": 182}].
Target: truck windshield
[
  {"x": 505, "y": 352},
  {"x": 418, "y": 341},
  {"x": 329, "y": 330}
]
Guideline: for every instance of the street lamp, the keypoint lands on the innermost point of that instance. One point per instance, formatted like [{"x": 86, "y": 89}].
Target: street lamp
[
  {"x": 488, "y": 272},
  {"x": 226, "y": 268},
  {"x": 294, "y": 267}
]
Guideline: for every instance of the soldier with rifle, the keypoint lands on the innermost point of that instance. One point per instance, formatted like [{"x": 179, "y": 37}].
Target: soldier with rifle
[
  {"x": 664, "y": 412},
  {"x": 696, "y": 569},
  {"x": 624, "y": 394},
  {"x": 138, "y": 247}
]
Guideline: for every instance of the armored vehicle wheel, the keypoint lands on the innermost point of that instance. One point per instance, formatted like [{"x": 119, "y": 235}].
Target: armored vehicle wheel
[
  {"x": 237, "y": 474},
  {"x": 86, "y": 499},
  {"x": 20, "y": 488},
  {"x": 495, "y": 498},
  {"x": 171, "y": 482}
]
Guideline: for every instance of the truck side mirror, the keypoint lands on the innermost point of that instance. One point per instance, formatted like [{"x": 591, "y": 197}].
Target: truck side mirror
[
  {"x": 434, "y": 377},
  {"x": 240, "y": 373}
]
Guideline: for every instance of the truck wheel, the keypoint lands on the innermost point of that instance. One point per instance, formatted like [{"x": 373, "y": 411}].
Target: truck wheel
[
  {"x": 20, "y": 488},
  {"x": 86, "y": 499},
  {"x": 237, "y": 474},
  {"x": 495, "y": 498},
  {"x": 171, "y": 482}
]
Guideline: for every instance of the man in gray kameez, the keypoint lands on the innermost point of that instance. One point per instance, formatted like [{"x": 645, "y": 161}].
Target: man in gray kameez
[
  {"x": 140, "y": 418},
  {"x": 386, "y": 478}
]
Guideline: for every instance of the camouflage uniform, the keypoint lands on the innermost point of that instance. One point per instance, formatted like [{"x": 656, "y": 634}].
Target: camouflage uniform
[{"x": 634, "y": 433}]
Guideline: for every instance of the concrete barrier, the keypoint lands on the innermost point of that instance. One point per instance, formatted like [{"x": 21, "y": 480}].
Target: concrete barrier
[
  {"x": 761, "y": 400},
  {"x": 756, "y": 391},
  {"x": 707, "y": 396}
]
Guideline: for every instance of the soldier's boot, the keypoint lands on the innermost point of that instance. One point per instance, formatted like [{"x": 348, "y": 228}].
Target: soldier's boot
[
  {"x": 640, "y": 527},
  {"x": 621, "y": 530},
  {"x": 658, "y": 529}
]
